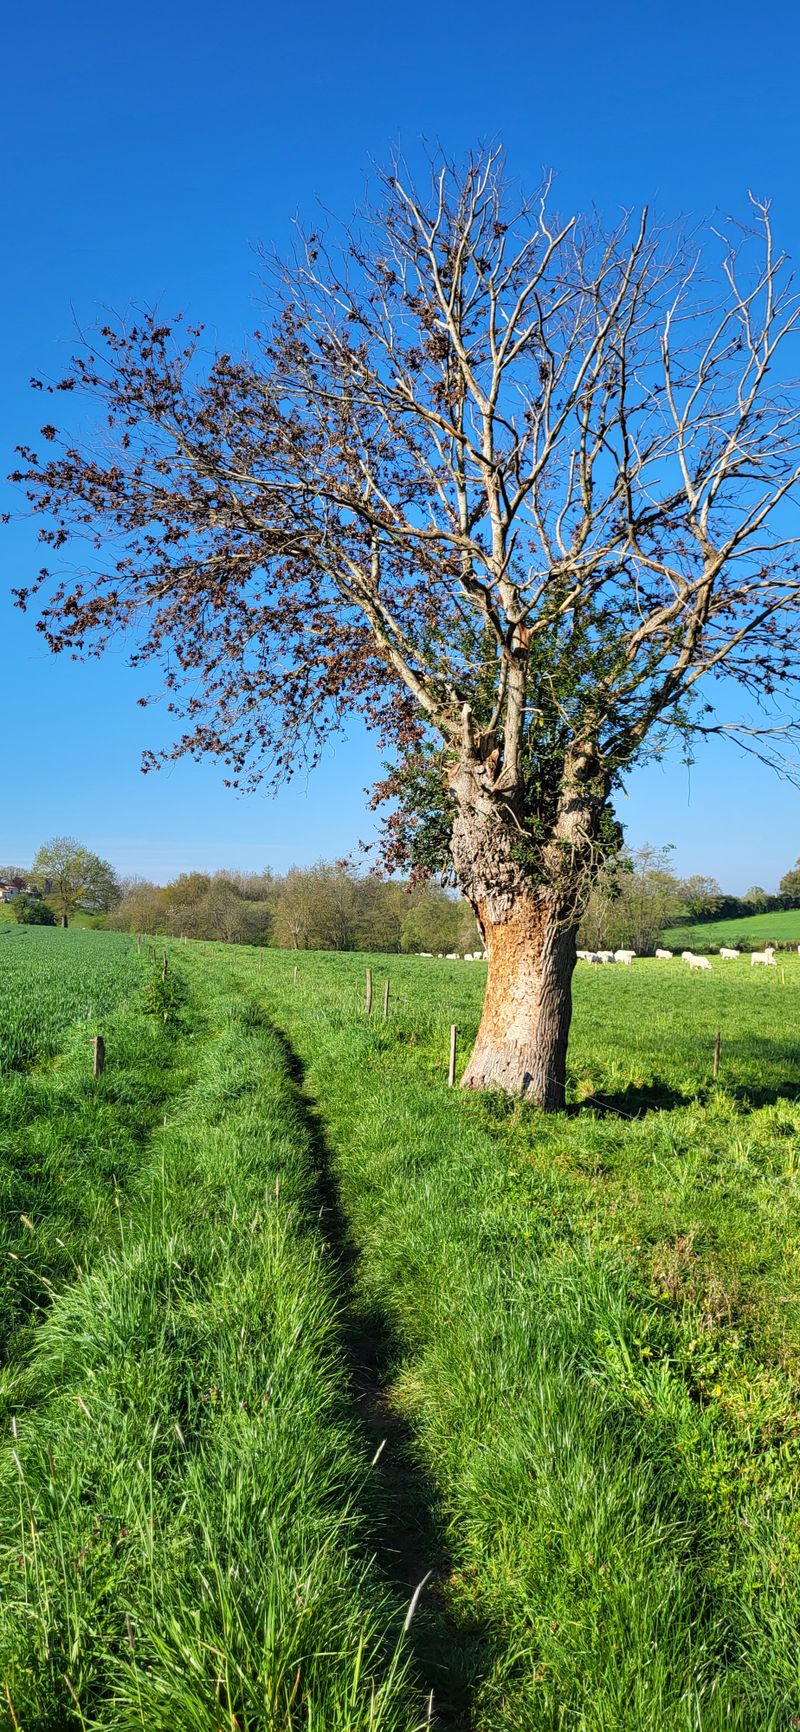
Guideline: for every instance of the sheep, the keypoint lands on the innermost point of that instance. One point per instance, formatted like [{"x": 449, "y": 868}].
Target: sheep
[
  {"x": 664, "y": 955},
  {"x": 424, "y": 952},
  {"x": 697, "y": 961},
  {"x": 625, "y": 956},
  {"x": 604, "y": 955},
  {"x": 766, "y": 958},
  {"x": 686, "y": 955},
  {"x": 729, "y": 955},
  {"x": 593, "y": 956},
  {"x": 452, "y": 956}
]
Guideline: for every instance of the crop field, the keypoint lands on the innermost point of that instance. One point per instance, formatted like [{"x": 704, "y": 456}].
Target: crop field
[
  {"x": 336, "y": 1400},
  {"x": 46, "y": 987}
]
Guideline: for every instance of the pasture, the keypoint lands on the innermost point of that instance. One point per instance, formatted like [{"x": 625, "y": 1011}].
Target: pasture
[
  {"x": 320, "y": 1328},
  {"x": 752, "y": 931}
]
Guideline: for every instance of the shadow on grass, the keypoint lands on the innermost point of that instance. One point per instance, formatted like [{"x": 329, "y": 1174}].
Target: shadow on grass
[
  {"x": 451, "y": 1653},
  {"x": 636, "y": 1101}
]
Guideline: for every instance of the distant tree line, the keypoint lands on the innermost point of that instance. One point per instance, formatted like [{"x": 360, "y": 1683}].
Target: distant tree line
[
  {"x": 637, "y": 897},
  {"x": 328, "y": 906},
  {"x": 331, "y": 906}
]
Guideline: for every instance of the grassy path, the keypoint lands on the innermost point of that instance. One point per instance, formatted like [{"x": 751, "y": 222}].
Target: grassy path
[
  {"x": 611, "y": 1466},
  {"x": 186, "y": 1500},
  {"x": 321, "y": 1329},
  {"x": 71, "y": 1150}
]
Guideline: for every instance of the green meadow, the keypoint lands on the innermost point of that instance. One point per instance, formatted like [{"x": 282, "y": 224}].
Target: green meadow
[
  {"x": 752, "y": 931},
  {"x": 334, "y": 1398}
]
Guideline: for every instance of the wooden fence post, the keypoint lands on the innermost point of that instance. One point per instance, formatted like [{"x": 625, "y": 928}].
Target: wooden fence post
[
  {"x": 98, "y": 1065},
  {"x": 451, "y": 1074},
  {"x": 717, "y": 1045},
  {"x": 386, "y": 1000},
  {"x": 369, "y": 990}
]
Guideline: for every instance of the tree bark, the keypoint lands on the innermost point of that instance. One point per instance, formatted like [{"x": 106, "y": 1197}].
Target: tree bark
[
  {"x": 64, "y": 920},
  {"x": 529, "y": 920},
  {"x": 521, "y": 1046}
]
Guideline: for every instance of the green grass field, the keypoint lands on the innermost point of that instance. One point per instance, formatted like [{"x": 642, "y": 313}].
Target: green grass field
[
  {"x": 78, "y": 922},
  {"x": 288, "y": 1325},
  {"x": 753, "y": 932}
]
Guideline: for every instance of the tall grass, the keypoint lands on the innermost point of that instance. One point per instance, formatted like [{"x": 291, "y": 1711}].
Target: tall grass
[
  {"x": 579, "y": 1337},
  {"x": 612, "y": 1436},
  {"x": 50, "y": 980},
  {"x": 184, "y": 1543},
  {"x": 71, "y": 1146}
]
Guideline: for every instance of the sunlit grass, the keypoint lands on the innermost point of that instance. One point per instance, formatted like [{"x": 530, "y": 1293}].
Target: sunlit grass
[
  {"x": 596, "y": 1323},
  {"x": 183, "y": 1485},
  {"x": 583, "y": 1337}
]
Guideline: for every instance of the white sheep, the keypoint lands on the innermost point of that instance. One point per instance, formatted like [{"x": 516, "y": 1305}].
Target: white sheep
[
  {"x": 728, "y": 954},
  {"x": 664, "y": 955},
  {"x": 764, "y": 958},
  {"x": 625, "y": 956},
  {"x": 697, "y": 961},
  {"x": 686, "y": 955}
]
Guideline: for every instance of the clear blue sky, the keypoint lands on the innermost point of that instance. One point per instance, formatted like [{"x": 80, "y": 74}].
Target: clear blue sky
[{"x": 146, "y": 153}]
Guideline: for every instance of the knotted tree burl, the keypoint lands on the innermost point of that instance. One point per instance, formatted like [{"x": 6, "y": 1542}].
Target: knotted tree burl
[{"x": 514, "y": 487}]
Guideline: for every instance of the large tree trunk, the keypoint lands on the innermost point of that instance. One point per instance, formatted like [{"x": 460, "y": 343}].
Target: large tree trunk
[
  {"x": 522, "y": 1040},
  {"x": 528, "y": 911}
]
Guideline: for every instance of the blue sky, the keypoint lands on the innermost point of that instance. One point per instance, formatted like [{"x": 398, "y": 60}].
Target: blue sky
[{"x": 147, "y": 152}]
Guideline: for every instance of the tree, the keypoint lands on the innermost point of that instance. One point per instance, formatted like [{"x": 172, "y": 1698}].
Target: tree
[
  {"x": 632, "y": 901},
  {"x": 141, "y": 908},
  {"x": 294, "y": 918},
  {"x": 508, "y": 485},
  {"x": 75, "y": 878},
  {"x": 701, "y": 896},
  {"x": 32, "y": 911},
  {"x": 789, "y": 887},
  {"x": 756, "y": 898}
]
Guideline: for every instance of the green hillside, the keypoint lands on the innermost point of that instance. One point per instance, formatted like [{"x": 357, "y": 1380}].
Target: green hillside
[
  {"x": 86, "y": 922},
  {"x": 752, "y": 932}
]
